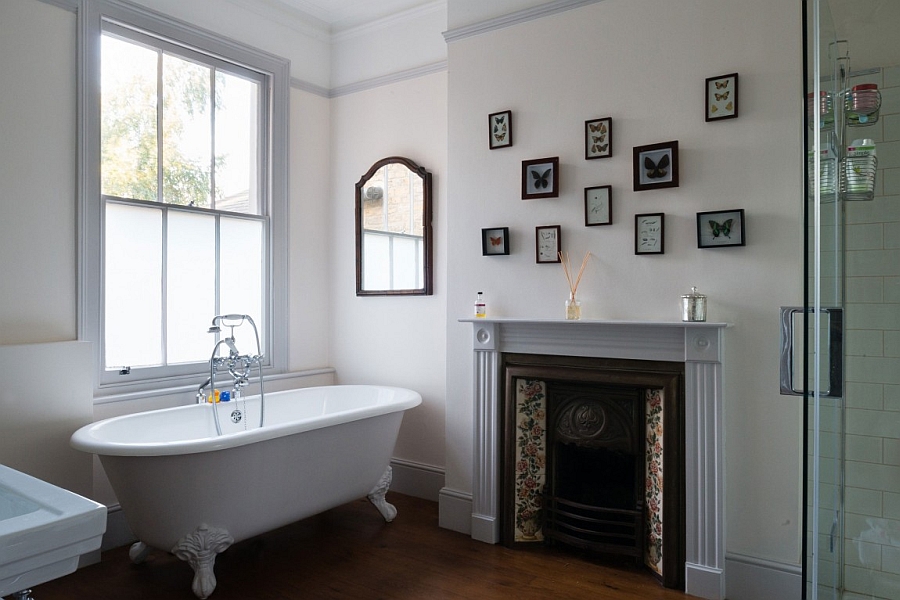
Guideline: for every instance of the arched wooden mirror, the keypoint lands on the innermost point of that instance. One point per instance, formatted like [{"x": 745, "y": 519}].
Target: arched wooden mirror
[{"x": 393, "y": 229}]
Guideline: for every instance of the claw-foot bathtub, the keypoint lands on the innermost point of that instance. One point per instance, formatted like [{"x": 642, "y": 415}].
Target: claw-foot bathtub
[{"x": 186, "y": 490}]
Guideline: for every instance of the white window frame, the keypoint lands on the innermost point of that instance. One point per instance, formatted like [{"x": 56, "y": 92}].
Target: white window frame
[{"x": 92, "y": 16}]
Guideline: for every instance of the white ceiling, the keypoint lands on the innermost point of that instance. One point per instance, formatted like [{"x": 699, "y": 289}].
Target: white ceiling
[{"x": 339, "y": 15}]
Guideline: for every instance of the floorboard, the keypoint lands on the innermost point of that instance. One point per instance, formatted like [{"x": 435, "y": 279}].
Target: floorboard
[{"x": 350, "y": 553}]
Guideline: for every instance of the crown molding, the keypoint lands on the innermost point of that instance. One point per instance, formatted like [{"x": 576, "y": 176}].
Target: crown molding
[
  {"x": 312, "y": 88},
  {"x": 355, "y": 31},
  {"x": 375, "y": 82},
  {"x": 69, "y": 5},
  {"x": 521, "y": 16}
]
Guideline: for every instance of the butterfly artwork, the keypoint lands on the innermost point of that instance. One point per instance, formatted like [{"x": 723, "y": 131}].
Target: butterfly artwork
[
  {"x": 720, "y": 228},
  {"x": 495, "y": 241},
  {"x": 723, "y": 228},
  {"x": 658, "y": 169},
  {"x": 598, "y": 138},
  {"x": 540, "y": 178},
  {"x": 500, "y": 129},
  {"x": 656, "y": 166},
  {"x": 721, "y": 97}
]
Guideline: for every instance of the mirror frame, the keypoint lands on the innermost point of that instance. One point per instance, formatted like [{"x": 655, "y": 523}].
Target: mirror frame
[{"x": 427, "y": 236}]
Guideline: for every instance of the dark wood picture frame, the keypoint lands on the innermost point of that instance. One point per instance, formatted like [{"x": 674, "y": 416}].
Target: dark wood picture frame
[
  {"x": 721, "y": 97},
  {"x": 656, "y": 166},
  {"x": 598, "y": 138},
  {"x": 547, "y": 244},
  {"x": 721, "y": 228},
  {"x": 540, "y": 178},
  {"x": 500, "y": 132},
  {"x": 650, "y": 233},
  {"x": 598, "y": 205},
  {"x": 495, "y": 241}
]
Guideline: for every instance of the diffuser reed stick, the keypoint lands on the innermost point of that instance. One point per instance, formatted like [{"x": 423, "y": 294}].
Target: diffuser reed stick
[
  {"x": 567, "y": 268},
  {"x": 573, "y": 306}
]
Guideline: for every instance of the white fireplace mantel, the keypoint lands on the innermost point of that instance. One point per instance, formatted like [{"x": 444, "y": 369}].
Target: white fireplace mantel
[{"x": 698, "y": 345}]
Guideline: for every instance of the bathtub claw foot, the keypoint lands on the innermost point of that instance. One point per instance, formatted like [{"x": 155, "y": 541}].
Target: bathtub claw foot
[
  {"x": 199, "y": 549},
  {"x": 138, "y": 552},
  {"x": 378, "y": 493}
]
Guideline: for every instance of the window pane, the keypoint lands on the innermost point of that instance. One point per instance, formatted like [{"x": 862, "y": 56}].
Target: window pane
[
  {"x": 241, "y": 275},
  {"x": 376, "y": 262},
  {"x": 187, "y": 132},
  {"x": 133, "y": 290},
  {"x": 406, "y": 264},
  {"x": 128, "y": 155},
  {"x": 237, "y": 135},
  {"x": 190, "y": 285}
]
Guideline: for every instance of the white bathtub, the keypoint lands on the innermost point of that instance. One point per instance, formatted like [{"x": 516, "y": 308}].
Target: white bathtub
[{"x": 185, "y": 490}]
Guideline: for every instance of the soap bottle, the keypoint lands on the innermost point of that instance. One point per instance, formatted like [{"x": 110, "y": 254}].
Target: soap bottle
[{"x": 480, "y": 309}]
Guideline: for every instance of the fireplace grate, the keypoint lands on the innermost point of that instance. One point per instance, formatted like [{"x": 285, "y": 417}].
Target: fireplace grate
[{"x": 608, "y": 530}]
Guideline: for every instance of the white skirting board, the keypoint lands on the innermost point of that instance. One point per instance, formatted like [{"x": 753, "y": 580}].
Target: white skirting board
[{"x": 749, "y": 578}]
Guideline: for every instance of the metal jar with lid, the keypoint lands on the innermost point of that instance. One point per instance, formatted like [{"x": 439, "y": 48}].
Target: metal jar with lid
[{"x": 693, "y": 306}]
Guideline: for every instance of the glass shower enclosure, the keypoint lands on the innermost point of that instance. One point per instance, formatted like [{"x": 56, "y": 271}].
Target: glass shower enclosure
[{"x": 851, "y": 318}]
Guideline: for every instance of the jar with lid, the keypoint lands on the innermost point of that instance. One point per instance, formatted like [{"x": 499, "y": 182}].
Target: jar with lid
[{"x": 693, "y": 306}]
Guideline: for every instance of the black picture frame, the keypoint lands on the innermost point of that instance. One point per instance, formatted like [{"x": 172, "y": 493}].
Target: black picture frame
[
  {"x": 649, "y": 233},
  {"x": 721, "y": 97},
  {"x": 655, "y": 166},
  {"x": 540, "y": 178},
  {"x": 547, "y": 244},
  {"x": 721, "y": 228},
  {"x": 500, "y": 131},
  {"x": 495, "y": 241},
  {"x": 598, "y": 205},
  {"x": 598, "y": 138}
]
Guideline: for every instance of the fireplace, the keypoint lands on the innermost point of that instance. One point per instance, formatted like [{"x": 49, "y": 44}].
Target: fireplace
[
  {"x": 577, "y": 468},
  {"x": 699, "y": 347}
]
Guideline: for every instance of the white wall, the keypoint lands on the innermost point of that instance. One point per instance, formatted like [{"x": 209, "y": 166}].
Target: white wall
[
  {"x": 389, "y": 339},
  {"x": 643, "y": 63}
]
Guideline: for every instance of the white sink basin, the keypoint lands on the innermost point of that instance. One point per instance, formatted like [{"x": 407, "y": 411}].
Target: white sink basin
[{"x": 43, "y": 530}]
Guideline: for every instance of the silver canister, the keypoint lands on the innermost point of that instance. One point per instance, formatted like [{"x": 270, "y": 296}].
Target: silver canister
[{"x": 693, "y": 306}]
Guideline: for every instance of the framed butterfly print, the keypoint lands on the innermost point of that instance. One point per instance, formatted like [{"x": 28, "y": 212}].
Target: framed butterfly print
[
  {"x": 547, "y": 246},
  {"x": 598, "y": 205},
  {"x": 649, "y": 233},
  {"x": 500, "y": 130},
  {"x": 540, "y": 178},
  {"x": 495, "y": 241},
  {"x": 722, "y": 97},
  {"x": 598, "y": 138},
  {"x": 656, "y": 166},
  {"x": 720, "y": 228}
]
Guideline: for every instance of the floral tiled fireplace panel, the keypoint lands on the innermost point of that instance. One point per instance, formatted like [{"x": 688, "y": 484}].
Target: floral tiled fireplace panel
[{"x": 585, "y": 460}]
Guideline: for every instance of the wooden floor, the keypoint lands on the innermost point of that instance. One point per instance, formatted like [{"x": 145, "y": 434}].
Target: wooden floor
[{"x": 351, "y": 553}]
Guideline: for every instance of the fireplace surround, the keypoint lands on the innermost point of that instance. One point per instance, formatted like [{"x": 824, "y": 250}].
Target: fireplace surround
[{"x": 699, "y": 346}]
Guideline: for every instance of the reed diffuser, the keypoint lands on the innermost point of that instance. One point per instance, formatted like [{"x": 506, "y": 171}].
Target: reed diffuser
[{"x": 573, "y": 305}]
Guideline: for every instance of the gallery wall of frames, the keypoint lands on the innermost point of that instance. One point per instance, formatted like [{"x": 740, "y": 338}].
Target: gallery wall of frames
[{"x": 654, "y": 166}]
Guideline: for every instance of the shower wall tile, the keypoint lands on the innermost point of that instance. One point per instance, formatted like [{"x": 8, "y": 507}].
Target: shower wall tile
[
  {"x": 865, "y": 289},
  {"x": 864, "y": 448},
  {"x": 865, "y": 395},
  {"x": 892, "y": 342},
  {"x": 892, "y": 289},
  {"x": 891, "y": 181},
  {"x": 880, "y": 210},
  {"x": 863, "y": 263},
  {"x": 892, "y": 451},
  {"x": 858, "y": 553},
  {"x": 889, "y": 153},
  {"x": 890, "y": 559},
  {"x": 873, "y": 423},
  {"x": 891, "y": 504},
  {"x": 892, "y": 397},
  {"x": 864, "y": 502},
  {"x": 871, "y": 476},
  {"x": 891, "y": 77},
  {"x": 866, "y": 236},
  {"x": 865, "y": 342},
  {"x": 892, "y": 235},
  {"x": 890, "y": 127},
  {"x": 872, "y": 316}
]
